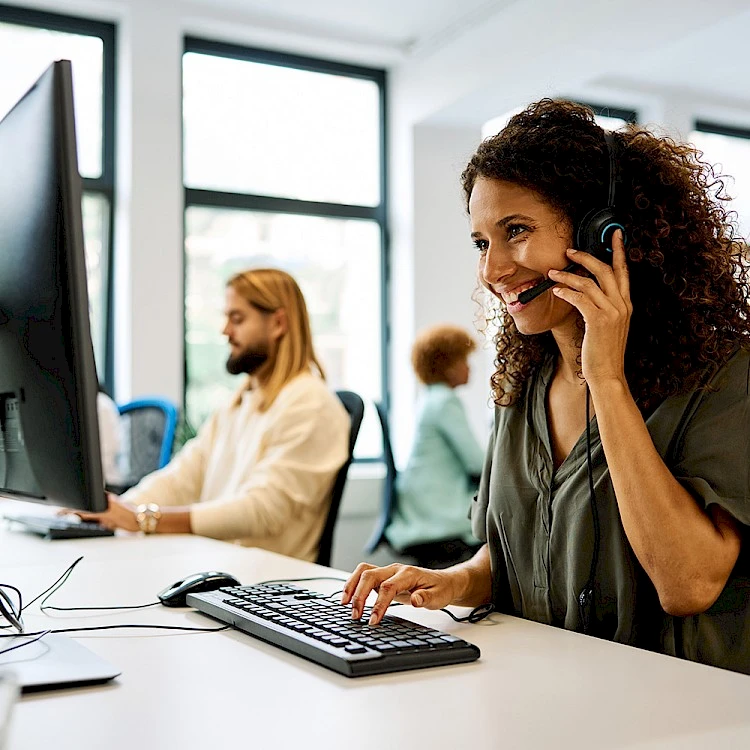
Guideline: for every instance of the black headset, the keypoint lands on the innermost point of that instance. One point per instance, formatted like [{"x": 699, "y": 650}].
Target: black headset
[
  {"x": 594, "y": 232},
  {"x": 594, "y": 235}
]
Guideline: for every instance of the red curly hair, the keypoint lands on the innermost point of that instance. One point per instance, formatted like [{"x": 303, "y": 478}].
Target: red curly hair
[{"x": 437, "y": 349}]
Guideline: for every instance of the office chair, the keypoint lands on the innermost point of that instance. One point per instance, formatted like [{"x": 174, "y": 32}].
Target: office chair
[
  {"x": 388, "y": 502},
  {"x": 356, "y": 409},
  {"x": 148, "y": 427}
]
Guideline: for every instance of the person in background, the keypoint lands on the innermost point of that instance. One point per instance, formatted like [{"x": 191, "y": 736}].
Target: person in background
[
  {"x": 110, "y": 437},
  {"x": 431, "y": 517},
  {"x": 615, "y": 498},
  {"x": 261, "y": 470}
]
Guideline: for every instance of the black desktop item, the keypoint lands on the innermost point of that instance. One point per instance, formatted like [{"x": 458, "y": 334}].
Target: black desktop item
[
  {"x": 312, "y": 626},
  {"x": 176, "y": 594},
  {"x": 49, "y": 435},
  {"x": 57, "y": 527}
]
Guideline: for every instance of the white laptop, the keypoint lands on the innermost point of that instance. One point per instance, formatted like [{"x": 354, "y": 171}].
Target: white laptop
[
  {"x": 8, "y": 692},
  {"x": 54, "y": 661}
]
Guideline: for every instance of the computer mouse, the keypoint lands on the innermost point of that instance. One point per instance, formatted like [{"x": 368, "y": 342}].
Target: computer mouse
[{"x": 176, "y": 594}]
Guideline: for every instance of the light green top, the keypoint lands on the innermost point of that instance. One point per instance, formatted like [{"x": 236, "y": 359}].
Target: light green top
[{"x": 435, "y": 489}]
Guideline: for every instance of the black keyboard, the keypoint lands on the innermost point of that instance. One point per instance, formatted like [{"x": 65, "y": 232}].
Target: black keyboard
[
  {"x": 59, "y": 527},
  {"x": 313, "y": 626}
]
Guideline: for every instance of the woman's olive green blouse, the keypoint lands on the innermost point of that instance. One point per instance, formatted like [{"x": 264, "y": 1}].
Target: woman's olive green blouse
[{"x": 539, "y": 526}]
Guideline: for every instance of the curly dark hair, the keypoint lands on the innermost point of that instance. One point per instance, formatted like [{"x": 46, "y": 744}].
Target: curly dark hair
[{"x": 688, "y": 268}]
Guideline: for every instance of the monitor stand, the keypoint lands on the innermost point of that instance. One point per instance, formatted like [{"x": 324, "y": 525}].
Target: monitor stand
[{"x": 54, "y": 661}]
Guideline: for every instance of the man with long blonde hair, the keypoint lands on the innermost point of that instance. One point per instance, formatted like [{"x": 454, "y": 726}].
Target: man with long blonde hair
[{"x": 261, "y": 469}]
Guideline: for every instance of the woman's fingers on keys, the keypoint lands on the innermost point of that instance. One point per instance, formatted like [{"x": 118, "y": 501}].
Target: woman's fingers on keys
[
  {"x": 398, "y": 586},
  {"x": 352, "y": 582},
  {"x": 370, "y": 579}
]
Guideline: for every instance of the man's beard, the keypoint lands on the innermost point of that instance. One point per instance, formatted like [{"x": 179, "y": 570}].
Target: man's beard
[{"x": 249, "y": 361}]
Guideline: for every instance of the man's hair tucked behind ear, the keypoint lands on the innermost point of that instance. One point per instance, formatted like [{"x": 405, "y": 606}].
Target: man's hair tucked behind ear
[
  {"x": 688, "y": 272},
  {"x": 269, "y": 290}
]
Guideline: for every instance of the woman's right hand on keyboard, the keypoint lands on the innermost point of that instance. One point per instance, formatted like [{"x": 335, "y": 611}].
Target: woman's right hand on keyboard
[{"x": 419, "y": 587}]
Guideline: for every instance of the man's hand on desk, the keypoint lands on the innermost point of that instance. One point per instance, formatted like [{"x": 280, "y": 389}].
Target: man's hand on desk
[
  {"x": 117, "y": 516},
  {"x": 148, "y": 518}
]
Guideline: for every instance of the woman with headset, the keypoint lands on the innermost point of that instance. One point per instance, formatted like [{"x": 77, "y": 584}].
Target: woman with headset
[{"x": 615, "y": 495}]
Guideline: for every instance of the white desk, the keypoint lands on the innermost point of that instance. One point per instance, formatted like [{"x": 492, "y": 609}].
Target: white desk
[{"x": 534, "y": 686}]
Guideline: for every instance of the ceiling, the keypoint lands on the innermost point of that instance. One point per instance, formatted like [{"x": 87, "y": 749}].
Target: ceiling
[
  {"x": 714, "y": 60},
  {"x": 706, "y": 58},
  {"x": 396, "y": 27}
]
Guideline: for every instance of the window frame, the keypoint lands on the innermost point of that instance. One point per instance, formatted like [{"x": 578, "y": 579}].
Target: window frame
[
  {"x": 732, "y": 131},
  {"x": 604, "y": 110},
  {"x": 715, "y": 128},
  {"x": 197, "y": 197},
  {"x": 104, "y": 185}
]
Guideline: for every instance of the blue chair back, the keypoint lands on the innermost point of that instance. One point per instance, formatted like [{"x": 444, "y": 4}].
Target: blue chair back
[{"x": 148, "y": 426}]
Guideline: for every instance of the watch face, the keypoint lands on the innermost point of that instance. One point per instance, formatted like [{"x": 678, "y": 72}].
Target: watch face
[
  {"x": 148, "y": 524},
  {"x": 148, "y": 517}
]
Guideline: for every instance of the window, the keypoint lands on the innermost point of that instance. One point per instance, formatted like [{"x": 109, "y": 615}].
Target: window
[
  {"x": 729, "y": 149},
  {"x": 609, "y": 118},
  {"x": 612, "y": 118},
  {"x": 29, "y": 42},
  {"x": 284, "y": 166}
]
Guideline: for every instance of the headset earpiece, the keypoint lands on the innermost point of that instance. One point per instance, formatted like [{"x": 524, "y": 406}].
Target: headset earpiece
[{"x": 594, "y": 232}]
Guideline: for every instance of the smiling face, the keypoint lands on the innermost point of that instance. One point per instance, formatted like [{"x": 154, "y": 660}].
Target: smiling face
[{"x": 520, "y": 238}]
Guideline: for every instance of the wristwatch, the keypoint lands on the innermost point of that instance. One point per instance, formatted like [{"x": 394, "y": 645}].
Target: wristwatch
[{"x": 147, "y": 515}]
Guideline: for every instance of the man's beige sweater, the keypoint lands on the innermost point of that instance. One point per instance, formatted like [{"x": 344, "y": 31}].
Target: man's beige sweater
[{"x": 260, "y": 479}]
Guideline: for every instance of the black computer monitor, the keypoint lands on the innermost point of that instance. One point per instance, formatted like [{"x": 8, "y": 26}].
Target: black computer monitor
[{"x": 49, "y": 434}]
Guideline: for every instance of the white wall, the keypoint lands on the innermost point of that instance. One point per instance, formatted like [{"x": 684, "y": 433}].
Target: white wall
[
  {"x": 148, "y": 220},
  {"x": 445, "y": 259},
  {"x": 433, "y": 266}
]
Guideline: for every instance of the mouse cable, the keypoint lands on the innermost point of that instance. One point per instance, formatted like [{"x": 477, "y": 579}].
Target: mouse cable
[
  {"x": 476, "y": 615},
  {"x": 91, "y": 609},
  {"x": 153, "y": 604},
  {"x": 57, "y": 585}
]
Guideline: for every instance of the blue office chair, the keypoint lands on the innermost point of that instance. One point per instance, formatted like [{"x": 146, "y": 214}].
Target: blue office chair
[
  {"x": 148, "y": 427},
  {"x": 389, "y": 497},
  {"x": 356, "y": 409}
]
